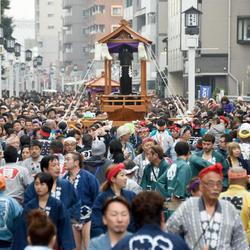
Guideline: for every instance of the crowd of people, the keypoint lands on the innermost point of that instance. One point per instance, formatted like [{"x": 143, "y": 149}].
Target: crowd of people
[{"x": 177, "y": 180}]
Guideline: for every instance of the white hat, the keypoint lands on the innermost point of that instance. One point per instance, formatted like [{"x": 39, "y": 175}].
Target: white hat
[
  {"x": 70, "y": 139},
  {"x": 244, "y": 131},
  {"x": 123, "y": 130}
]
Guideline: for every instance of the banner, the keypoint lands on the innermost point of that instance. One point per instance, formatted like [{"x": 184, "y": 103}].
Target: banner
[{"x": 205, "y": 91}]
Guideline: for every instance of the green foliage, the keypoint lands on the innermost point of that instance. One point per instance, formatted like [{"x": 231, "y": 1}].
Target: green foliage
[{"x": 6, "y": 21}]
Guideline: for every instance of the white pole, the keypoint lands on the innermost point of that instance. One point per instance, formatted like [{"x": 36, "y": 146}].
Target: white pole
[
  {"x": 62, "y": 82},
  {"x": 17, "y": 78},
  {"x": 1, "y": 71},
  {"x": 191, "y": 78},
  {"x": 11, "y": 77}
]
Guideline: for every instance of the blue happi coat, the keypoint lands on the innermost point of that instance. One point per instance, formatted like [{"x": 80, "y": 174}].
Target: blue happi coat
[
  {"x": 87, "y": 187},
  {"x": 97, "y": 226},
  {"x": 57, "y": 213},
  {"x": 65, "y": 192}
]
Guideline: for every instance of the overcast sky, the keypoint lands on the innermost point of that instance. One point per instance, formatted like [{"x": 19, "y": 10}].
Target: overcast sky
[{"x": 22, "y": 9}]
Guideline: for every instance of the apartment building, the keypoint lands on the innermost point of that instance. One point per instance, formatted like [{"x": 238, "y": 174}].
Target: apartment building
[
  {"x": 222, "y": 59},
  {"x": 85, "y": 22},
  {"x": 48, "y": 25}
]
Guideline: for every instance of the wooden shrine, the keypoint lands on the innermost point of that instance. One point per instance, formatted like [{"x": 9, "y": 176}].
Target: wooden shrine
[{"x": 126, "y": 105}]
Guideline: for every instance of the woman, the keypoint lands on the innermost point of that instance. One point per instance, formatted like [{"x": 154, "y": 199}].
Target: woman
[
  {"x": 43, "y": 200},
  {"x": 194, "y": 187},
  {"x": 226, "y": 105},
  {"x": 113, "y": 186},
  {"x": 87, "y": 188},
  {"x": 235, "y": 158},
  {"x": 141, "y": 160},
  {"x": 41, "y": 231},
  {"x": 25, "y": 152}
]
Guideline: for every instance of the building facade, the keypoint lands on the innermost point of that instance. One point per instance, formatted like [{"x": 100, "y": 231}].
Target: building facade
[
  {"x": 222, "y": 58},
  {"x": 85, "y": 22},
  {"x": 48, "y": 25}
]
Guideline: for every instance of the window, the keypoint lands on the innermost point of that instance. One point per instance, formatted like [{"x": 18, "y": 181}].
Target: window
[
  {"x": 50, "y": 15},
  {"x": 116, "y": 10},
  {"x": 50, "y": 2},
  {"x": 40, "y": 44},
  {"x": 51, "y": 27},
  {"x": 243, "y": 29},
  {"x": 129, "y": 3}
]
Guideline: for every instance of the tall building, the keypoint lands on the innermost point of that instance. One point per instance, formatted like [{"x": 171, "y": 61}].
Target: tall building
[
  {"x": 150, "y": 20},
  {"x": 48, "y": 25},
  {"x": 85, "y": 22},
  {"x": 222, "y": 59}
]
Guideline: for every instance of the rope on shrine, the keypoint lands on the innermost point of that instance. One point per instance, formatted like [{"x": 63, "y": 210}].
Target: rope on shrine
[{"x": 161, "y": 73}]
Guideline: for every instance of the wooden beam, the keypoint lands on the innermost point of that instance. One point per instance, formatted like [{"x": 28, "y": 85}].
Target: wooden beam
[
  {"x": 109, "y": 78},
  {"x": 106, "y": 77},
  {"x": 143, "y": 77}
]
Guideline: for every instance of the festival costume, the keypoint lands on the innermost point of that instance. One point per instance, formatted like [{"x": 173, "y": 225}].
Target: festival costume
[{"x": 221, "y": 231}]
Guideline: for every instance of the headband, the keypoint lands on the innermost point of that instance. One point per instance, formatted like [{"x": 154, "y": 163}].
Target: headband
[
  {"x": 148, "y": 139},
  {"x": 114, "y": 171},
  {"x": 43, "y": 133},
  {"x": 217, "y": 168}
]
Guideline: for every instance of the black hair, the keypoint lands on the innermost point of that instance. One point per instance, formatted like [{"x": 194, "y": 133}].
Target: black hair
[
  {"x": 56, "y": 146},
  {"x": 118, "y": 199},
  {"x": 46, "y": 160},
  {"x": 45, "y": 178},
  {"x": 24, "y": 140},
  {"x": 161, "y": 122},
  {"x": 36, "y": 143},
  {"x": 10, "y": 154},
  {"x": 87, "y": 140},
  {"x": 208, "y": 138},
  {"x": 227, "y": 137},
  {"x": 181, "y": 148}
]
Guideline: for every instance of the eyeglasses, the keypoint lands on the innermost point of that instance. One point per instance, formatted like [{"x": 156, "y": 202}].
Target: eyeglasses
[{"x": 212, "y": 184}]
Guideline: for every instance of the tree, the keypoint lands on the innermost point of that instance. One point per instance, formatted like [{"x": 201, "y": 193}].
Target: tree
[{"x": 6, "y": 21}]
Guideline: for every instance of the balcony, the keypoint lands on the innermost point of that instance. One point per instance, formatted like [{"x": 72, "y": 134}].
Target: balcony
[{"x": 67, "y": 20}]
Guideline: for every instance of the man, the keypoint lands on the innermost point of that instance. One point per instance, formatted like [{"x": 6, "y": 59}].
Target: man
[
  {"x": 177, "y": 177},
  {"x": 62, "y": 189},
  {"x": 239, "y": 196},
  {"x": 97, "y": 163},
  {"x": 120, "y": 147},
  {"x": 154, "y": 170},
  {"x": 162, "y": 136},
  {"x": 223, "y": 142},
  {"x": 184, "y": 136},
  {"x": 69, "y": 145},
  {"x": 44, "y": 133},
  {"x": 33, "y": 162},
  {"x": 244, "y": 135},
  {"x": 207, "y": 222},
  {"x": 18, "y": 128},
  {"x": 147, "y": 210},
  {"x": 10, "y": 212},
  {"x": 208, "y": 156},
  {"x": 28, "y": 129},
  {"x": 116, "y": 217},
  {"x": 17, "y": 177}
]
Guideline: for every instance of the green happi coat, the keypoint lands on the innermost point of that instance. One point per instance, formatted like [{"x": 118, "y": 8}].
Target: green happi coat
[
  {"x": 175, "y": 180},
  {"x": 197, "y": 163},
  {"x": 151, "y": 175}
]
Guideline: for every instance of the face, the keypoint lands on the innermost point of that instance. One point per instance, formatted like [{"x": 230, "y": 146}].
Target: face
[
  {"x": 222, "y": 143},
  {"x": 146, "y": 146},
  {"x": 211, "y": 186},
  {"x": 35, "y": 152},
  {"x": 15, "y": 142},
  {"x": 186, "y": 136},
  {"x": 120, "y": 180},
  {"x": 53, "y": 169},
  {"x": 152, "y": 156},
  {"x": 69, "y": 146},
  {"x": 207, "y": 146},
  {"x": 78, "y": 139},
  {"x": 25, "y": 153},
  {"x": 2, "y": 121},
  {"x": 31, "y": 112},
  {"x": 36, "y": 125},
  {"x": 69, "y": 162},
  {"x": 116, "y": 218},
  {"x": 29, "y": 126},
  {"x": 40, "y": 188},
  {"x": 17, "y": 127},
  {"x": 236, "y": 152},
  {"x": 126, "y": 137}
]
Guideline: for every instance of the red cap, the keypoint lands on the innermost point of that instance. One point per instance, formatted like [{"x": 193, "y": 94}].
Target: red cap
[
  {"x": 114, "y": 171},
  {"x": 217, "y": 168},
  {"x": 223, "y": 118}
]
